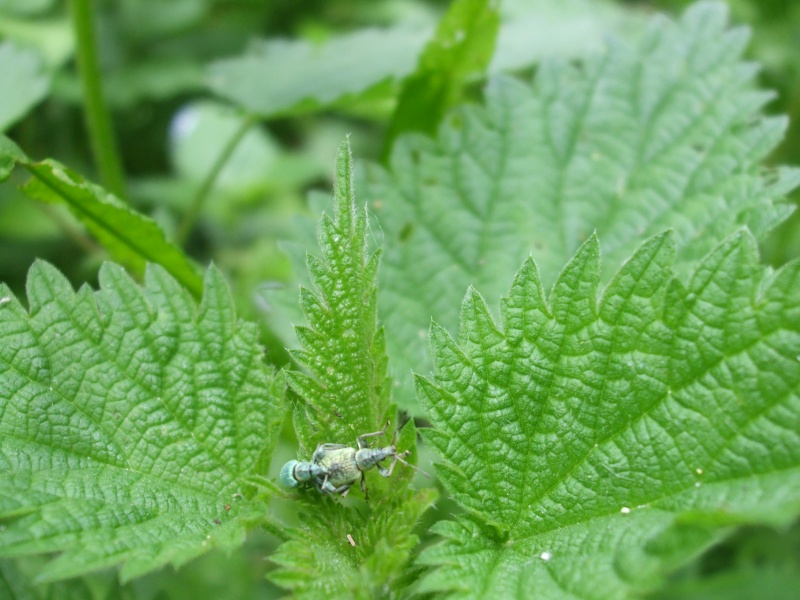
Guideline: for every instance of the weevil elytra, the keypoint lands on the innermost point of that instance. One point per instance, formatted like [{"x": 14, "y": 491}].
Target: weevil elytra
[{"x": 334, "y": 468}]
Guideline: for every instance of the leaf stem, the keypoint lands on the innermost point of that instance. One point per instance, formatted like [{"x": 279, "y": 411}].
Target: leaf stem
[
  {"x": 190, "y": 218},
  {"x": 98, "y": 119}
]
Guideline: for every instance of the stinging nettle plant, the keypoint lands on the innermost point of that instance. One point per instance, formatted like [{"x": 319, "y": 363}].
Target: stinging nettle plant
[
  {"x": 613, "y": 419},
  {"x": 354, "y": 550}
]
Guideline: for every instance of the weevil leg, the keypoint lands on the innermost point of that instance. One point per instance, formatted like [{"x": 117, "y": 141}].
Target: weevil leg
[
  {"x": 360, "y": 439},
  {"x": 364, "y": 487},
  {"x": 326, "y": 487},
  {"x": 383, "y": 470},
  {"x": 395, "y": 458},
  {"x": 323, "y": 486},
  {"x": 391, "y": 467}
]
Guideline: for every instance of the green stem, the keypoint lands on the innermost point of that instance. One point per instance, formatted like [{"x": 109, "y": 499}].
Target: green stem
[
  {"x": 199, "y": 199},
  {"x": 98, "y": 119}
]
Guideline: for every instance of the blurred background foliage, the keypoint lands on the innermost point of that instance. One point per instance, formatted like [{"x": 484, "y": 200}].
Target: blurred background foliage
[{"x": 227, "y": 113}]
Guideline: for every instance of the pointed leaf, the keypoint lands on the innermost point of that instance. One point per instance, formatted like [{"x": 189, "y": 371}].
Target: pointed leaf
[
  {"x": 666, "y": 134},
  {"x": 597, "y": 443},
  {"x": 459, "y": 51},
  {"x": 129, "y": 236},
  {"x": 345, "y": 550}
]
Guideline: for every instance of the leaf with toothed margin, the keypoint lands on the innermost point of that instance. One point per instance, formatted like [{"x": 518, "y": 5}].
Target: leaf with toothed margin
[
  {"x": 129, "y": 419},
  {"x": 352, "y": 548},
  {"x": 598, "y": 440},
  {"x": 669, "y": 133}
]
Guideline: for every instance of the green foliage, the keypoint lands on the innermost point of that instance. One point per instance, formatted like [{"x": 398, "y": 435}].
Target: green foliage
[
  {"x": 129, "y": 236},
  {"x": 667, "y": 134},
  {"x": 313, "y": 77},
  {"x": 460, "y": 51},
  {"x": 195, "y": 151},
  {"x": 344, "y": 392},
  {"x": 756, "y": 562},
  {"x": 12, "y": 584},
  {"x": 596, "y": 443},
  {"x": 129, "y": 420},
  {"x": 345, "y": 389},
  {"x": 615, "y": 423},
  {"x": 20, "y": 71}
]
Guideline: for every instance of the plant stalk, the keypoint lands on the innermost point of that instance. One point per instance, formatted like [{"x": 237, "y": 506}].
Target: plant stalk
[
  {"x": 98, "y": 119},
  {"x": 189, "y": 219}
]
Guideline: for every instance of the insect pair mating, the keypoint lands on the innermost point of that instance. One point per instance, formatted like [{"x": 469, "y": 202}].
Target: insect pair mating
[{"x": 334, "y": 468}]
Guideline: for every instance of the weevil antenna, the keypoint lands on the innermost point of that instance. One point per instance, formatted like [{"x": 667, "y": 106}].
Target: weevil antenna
[{"x": 416, "y": 468}]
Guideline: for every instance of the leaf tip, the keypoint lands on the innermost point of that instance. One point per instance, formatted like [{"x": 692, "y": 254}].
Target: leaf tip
[
  {"x": 436, "y": 331},
  {"x": 214, "y": 280}
]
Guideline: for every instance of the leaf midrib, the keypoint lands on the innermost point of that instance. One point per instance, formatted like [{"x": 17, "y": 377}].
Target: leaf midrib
[
  {"x": 656, "y": 405},
  {"x": 63, "y": 308}
]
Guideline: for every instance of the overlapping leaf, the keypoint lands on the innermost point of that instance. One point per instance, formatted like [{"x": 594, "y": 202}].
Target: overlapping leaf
[
  {"x": 128, "y": 420},
  {"x": 460, "y": 50},
  {"x": 129, "y": 236},
  {"x": 345, "y": 550},
  {"x": 21, "y": 71},
  {"x": 597, "y": 443},
  {"x": 668, "y": 134},
  {"x": 280, "y": 76}
]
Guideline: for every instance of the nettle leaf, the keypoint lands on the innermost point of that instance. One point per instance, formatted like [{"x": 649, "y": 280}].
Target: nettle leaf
[
  {"x": 277, "y": 77},
  {"x": 667, "y": 134},
  {"x": 344, "y": 386},
  {"x": 353, "y": 549},
  {"x": 597, "y": 443},
  {"x": 129, "y": 418}
]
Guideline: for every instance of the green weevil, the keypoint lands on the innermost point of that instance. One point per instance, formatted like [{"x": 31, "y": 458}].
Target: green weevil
[
  {"x": 342, "y": 465},
  {"x": 334, "y": 468}
]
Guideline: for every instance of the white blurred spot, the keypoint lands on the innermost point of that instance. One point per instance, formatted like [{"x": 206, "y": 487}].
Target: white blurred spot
[
  {"x": 183, "y": 123},
  {"x": 545, "y": 556},
  {"x": 624, "y": 510}
]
